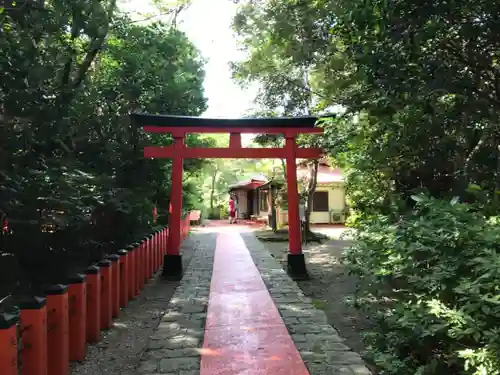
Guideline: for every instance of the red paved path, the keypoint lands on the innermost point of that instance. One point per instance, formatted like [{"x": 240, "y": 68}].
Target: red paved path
[{"x": 244, "y": 332}]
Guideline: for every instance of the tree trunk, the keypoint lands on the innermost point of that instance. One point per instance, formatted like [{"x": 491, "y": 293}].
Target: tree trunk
[
  {"x": 283, "y": 165},
  {"x": 212, "y": 192},
  {"x": 311, "y": 188},
  {"x": 273, "y": 222}
]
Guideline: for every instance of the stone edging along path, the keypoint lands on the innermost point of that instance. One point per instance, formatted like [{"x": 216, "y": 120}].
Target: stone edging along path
[{"x": 176, "y": 345}]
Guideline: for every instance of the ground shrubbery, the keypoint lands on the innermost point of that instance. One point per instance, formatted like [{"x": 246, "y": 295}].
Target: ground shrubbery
[{"x": 432, "y": 283}]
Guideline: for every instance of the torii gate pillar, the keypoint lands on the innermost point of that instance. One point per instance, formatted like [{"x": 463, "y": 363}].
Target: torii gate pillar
[
  {"x": 172, "y": 263},
  {"x": 296, "y": 264}
]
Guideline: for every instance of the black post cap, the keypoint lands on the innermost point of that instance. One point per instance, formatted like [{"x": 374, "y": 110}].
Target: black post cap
[
  {"x": 77, "y": 278},
  {"x": 130, "y": 248},
  {"x": 113, "y": 258},
  {"x": 92, "y": 270},
  {"x": 8, "y": 320},
  {"x": 56, "y": 289},
  {"x": 104, "y": 263},
  {"x": 122, "y": 252},
  {"x": 32, "y": 303}
]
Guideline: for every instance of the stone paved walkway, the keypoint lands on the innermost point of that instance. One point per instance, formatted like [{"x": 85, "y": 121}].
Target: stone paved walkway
[{"x": 176, "y": 346}]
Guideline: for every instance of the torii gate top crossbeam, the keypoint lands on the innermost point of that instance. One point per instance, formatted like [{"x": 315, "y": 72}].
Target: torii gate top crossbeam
[
  {"x": 179, "y": 126},
  {"x": 186, "y": 124}
]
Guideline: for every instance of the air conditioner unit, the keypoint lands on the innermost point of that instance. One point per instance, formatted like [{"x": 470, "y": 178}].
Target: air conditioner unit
[{"x": 336, "y": 217}]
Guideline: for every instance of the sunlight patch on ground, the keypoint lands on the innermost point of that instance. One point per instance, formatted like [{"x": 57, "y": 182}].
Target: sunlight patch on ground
[
  {"x": 325, "y": 254},
  {"x": 323, "y": 259},
  {"x": 336, "y": 233}
]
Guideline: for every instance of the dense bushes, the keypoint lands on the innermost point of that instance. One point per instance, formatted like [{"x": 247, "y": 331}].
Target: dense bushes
[
  {"x": 74, "y": 184},
  {"x": 431, "y": 280}
]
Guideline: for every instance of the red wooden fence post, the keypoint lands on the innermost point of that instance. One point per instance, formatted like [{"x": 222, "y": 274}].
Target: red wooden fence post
[
  {"x": 106, "y": 312},
  {"x": 145, "y": 266},
  {"x": 58, "y": 330},
  {"x": 34, "y": 336},
  {"x": 163, "y": 237},
  {"x": 158, "y": 250},
  {"x": 115, "y": 284},
  {"x": 164, "y": 240},
  {"x": 140, "y": 266},
  {"x": 147, "y": 263},
  {"x": 154, "y": 247},
  {"x": 153, "y": 253},
  {"x": 149, "y": 247},
  {"x": 131, "y": 271},
  {"x": 77, "y": 295},
  {"x": 8, "y": 344},
  {"x": 152, "y": 260},
  {"x": 93, "y": 321},
  {"x": 137, "y": 266},
  {"x": 124, "y": 275},
  {"x": 161, "y": 245}
]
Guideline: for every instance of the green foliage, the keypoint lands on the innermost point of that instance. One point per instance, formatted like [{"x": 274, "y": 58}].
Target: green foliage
[
  {"x": 433, "y": 279},
  {"x": 73, "y": 182},
  {"x": 223, "y": 211},
  {"x": 415, "y": 86},
  {"x": 280, "y": 41},
  {"x": 418, "y": 120},
  {"x": 219, "y": 174}
]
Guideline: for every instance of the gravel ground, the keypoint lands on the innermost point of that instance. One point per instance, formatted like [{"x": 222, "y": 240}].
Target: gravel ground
[
  {"x": 330, "y": 287},
  {"x": 120, "y": 349}
]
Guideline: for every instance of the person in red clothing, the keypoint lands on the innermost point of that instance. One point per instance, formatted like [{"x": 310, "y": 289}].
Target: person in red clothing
[{"x": 232, "y": 210}]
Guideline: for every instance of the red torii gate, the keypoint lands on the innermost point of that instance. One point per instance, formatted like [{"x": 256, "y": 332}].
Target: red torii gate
[{"x": 179, "y": 126}]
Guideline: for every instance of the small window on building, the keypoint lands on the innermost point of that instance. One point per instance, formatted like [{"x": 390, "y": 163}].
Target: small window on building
[
  {"x": 263, "y": 201},
  {"x": 320, "y": 201}
]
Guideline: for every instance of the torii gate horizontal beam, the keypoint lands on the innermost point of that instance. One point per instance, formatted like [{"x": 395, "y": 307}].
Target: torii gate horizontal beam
[
  {"x": 168, "y": 152},
  {"x": 277, "y": 125},
  {"x": 241, "y": 130}
]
